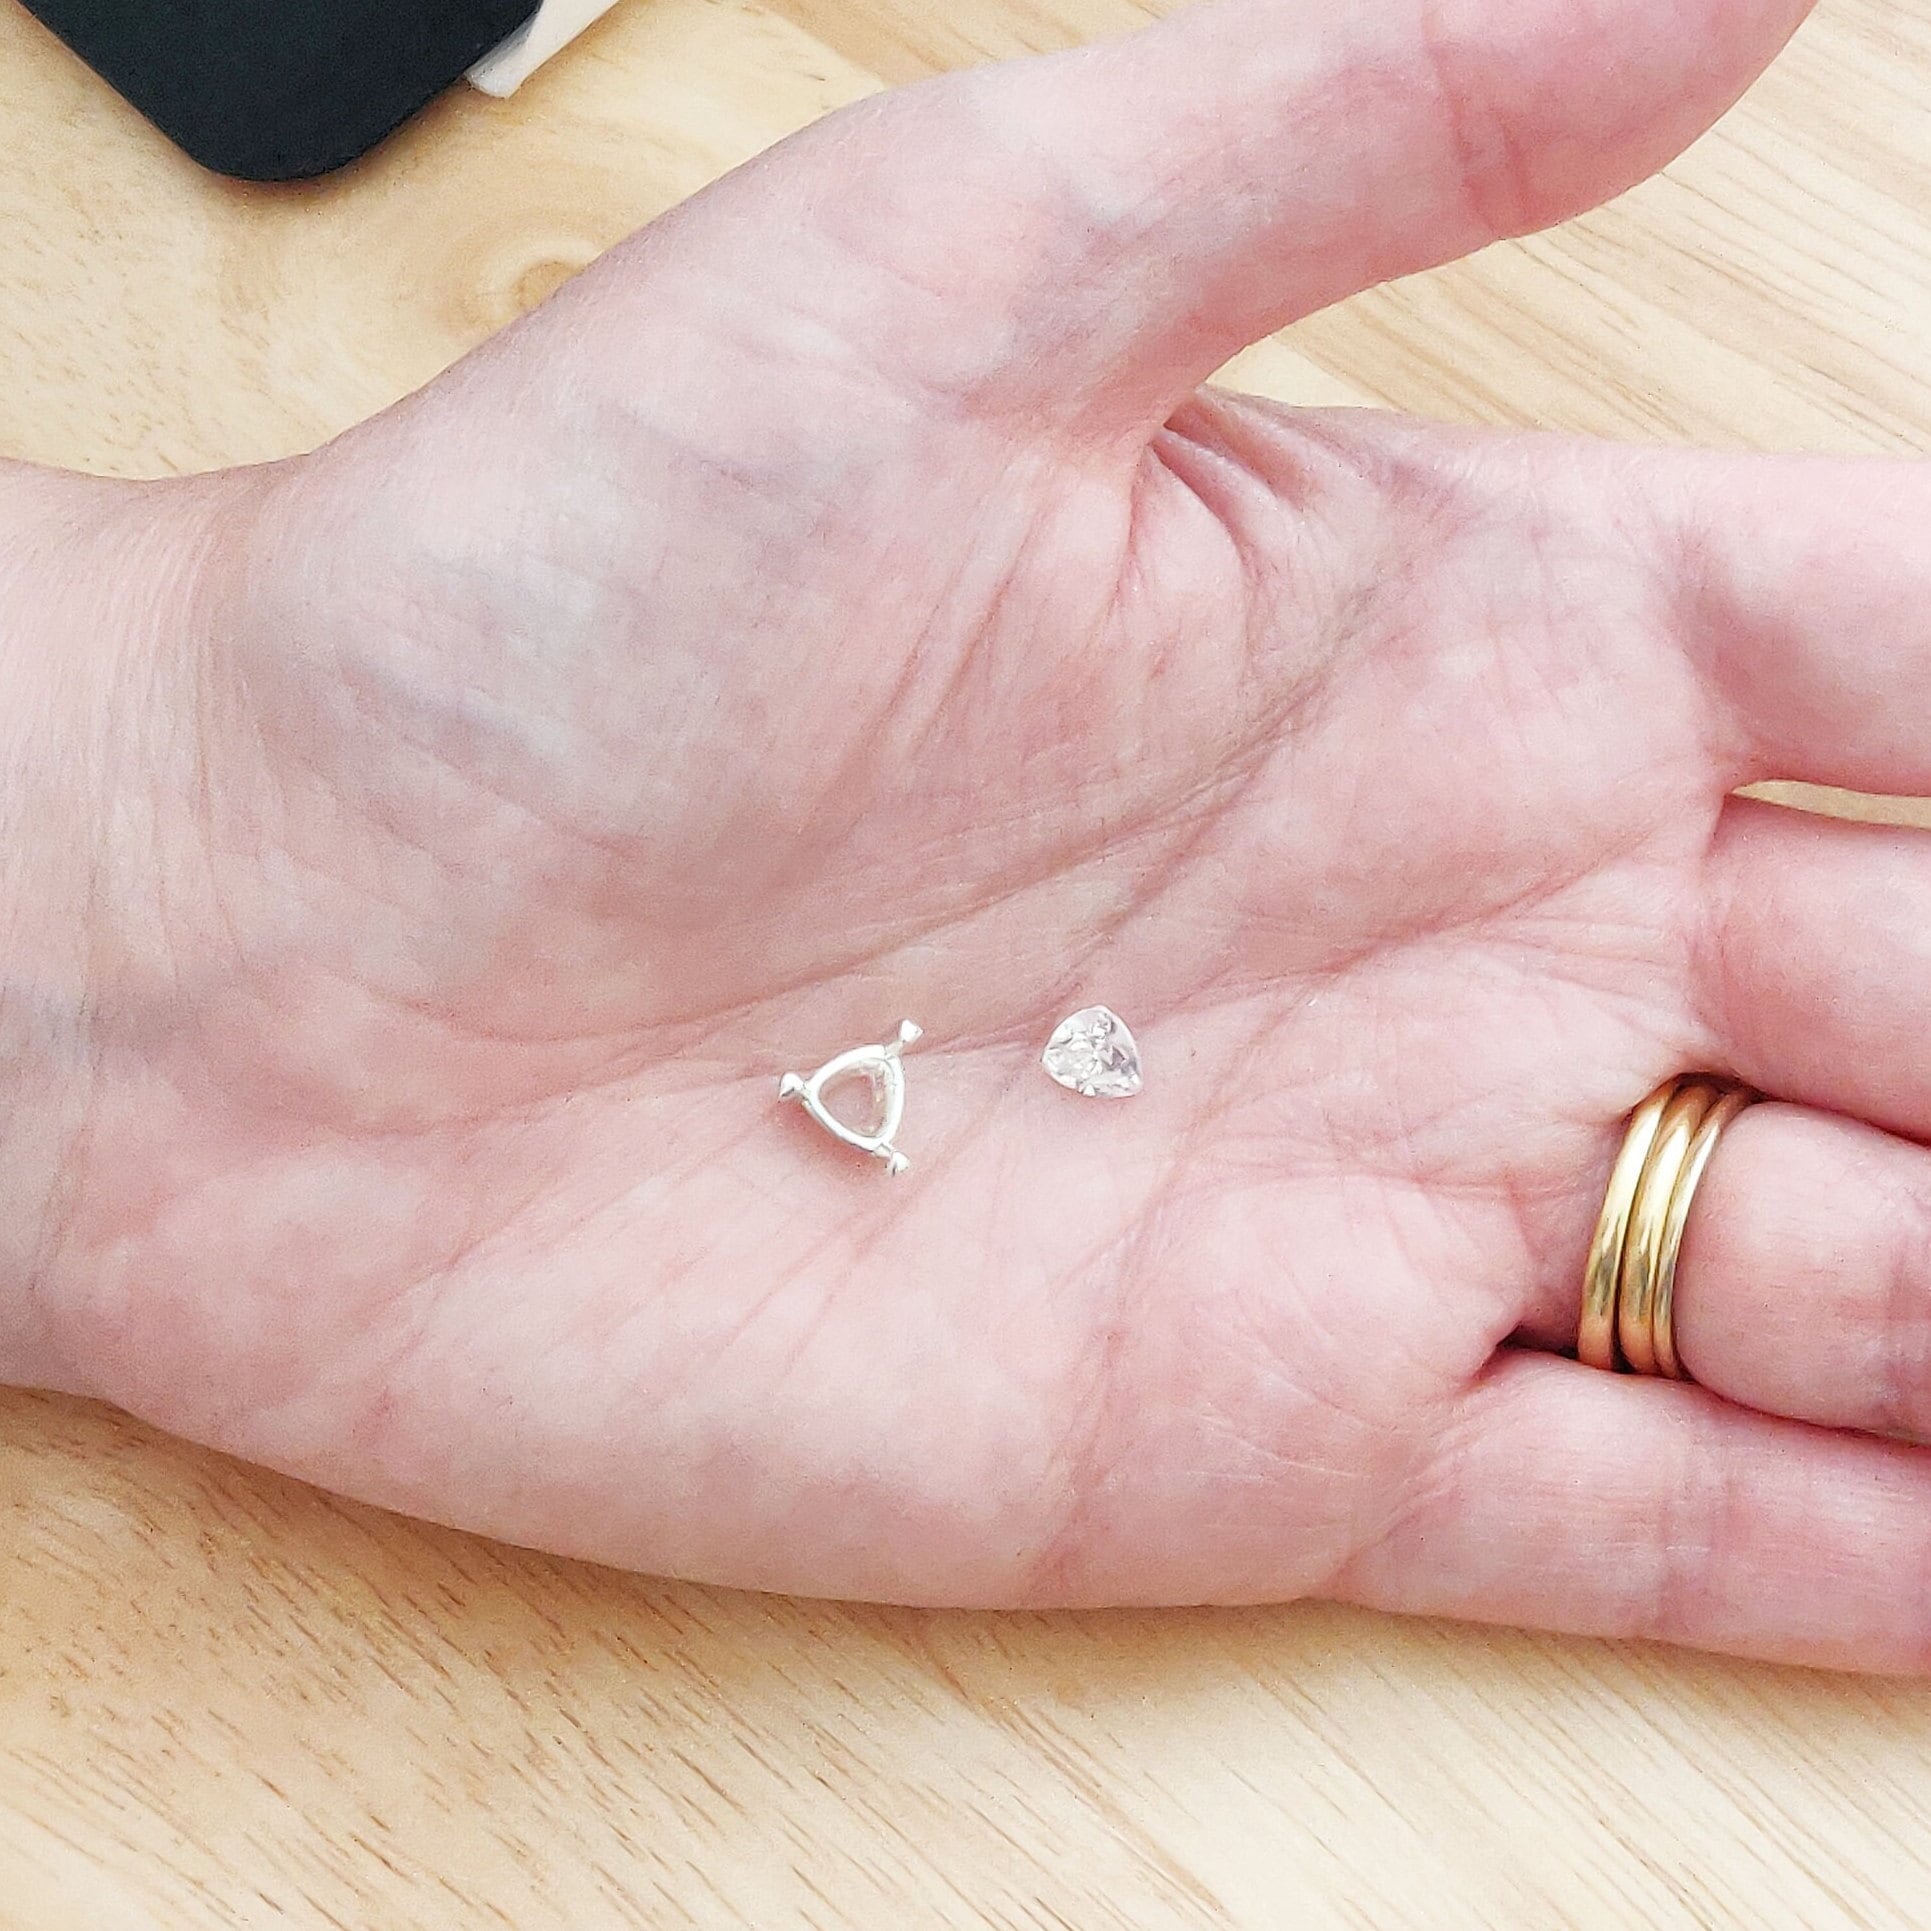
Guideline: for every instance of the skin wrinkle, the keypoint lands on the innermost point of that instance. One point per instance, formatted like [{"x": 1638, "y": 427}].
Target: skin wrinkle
[
  {"x": 859, "y": 1243},
  {"x": 859, "y": 1236},
  {"x": 926, "y": 731},
  {"x": 983, "y": 391},
  {"x": 1086, "y": 1454},
  {"x": 618, "y": 846},
  {"x": 1711, "y": 976},
  {"x": 1299, "y": 510},
  {"x": 620, "y": 1318},
  {"x": 1478, "y": 494},
  {"x": 1529, "y": 1210},
  {"x": 1191, "y": 841},
  {"x": 911, "y": 937},
  {"x": 383, "y": 708},
  {"x": 1705, "y": 614},
  {"x": 60, "y": 1213},
  {"x": 1482, "y": 1259},
  {"x": 1903, "y": 1338},
  {"x": 1429, "y": 1488},
  {"x": 1471, "y": 922},
  {"x": 241, "y": 1410},
  {"x": 1160, "y": 456},
  {"x": 1788, "y": 884},
  {"x": 1055, "y": 1576},
  {"x": 1499, "y": 196},
  {"x": 422, "y": 1008},
  {"x": 1311, "y": 467},
  {"x": 1056, "y": 203},
  {"x": 1573, "y": 1193},
  {"x": 1406, "y": 1128},
  {"x": 1383, "y": 1456},
  {"x": 368, "y": 1419},
  {"x": 1204, "y": 809},
  {"x": 395, "y": 826},
  {"x": 1705, "y": 1516},
  {"x": 1720, "y": 988},
  {"x": 862, "y": 757},
  {"x": 1294, "y": 696},
  {"x": 177, "y": 577}
]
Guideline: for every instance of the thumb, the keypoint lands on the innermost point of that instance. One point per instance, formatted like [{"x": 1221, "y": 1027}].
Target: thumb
[{"x": 1102, "y": 229}]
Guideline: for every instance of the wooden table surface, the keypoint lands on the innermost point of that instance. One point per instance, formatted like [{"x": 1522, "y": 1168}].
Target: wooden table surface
[{"x": 228, "y": 1700}]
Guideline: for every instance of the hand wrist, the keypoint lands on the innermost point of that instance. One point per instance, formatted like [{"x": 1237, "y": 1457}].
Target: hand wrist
[{"x": 99, "y": 584}]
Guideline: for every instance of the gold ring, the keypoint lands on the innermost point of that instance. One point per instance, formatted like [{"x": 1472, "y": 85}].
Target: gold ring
[
  {"x": 1643, "y": 1247},
  {"x": 1629, "y": 1285},
  {"x": 1596, "y": 1338},
  {"x": 1708, "y": 1131}
]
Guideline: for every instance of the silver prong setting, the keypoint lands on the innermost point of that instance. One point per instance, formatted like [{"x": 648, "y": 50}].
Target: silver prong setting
[{"x": 880, "y": 1066}]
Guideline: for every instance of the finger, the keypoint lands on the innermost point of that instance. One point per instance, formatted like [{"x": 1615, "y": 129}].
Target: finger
[
  {"x": 1088, "y": 236},
  {"x": 1804, "y": 1283},
  {"x": 1093, "y": 233},
  {"x": 1571, "y": 1499},
  {"x": 1166, "y": 200},
  {"x": 1815, "y": 955},
  {"x": 1802, "y": 588}
]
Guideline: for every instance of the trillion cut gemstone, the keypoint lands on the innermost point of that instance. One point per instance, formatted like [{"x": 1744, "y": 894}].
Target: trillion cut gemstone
[{"x": 1095, "y": 1054}]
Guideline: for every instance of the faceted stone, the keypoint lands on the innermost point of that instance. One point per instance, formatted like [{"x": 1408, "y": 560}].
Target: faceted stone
[{"x": 1095, "y": 1054}]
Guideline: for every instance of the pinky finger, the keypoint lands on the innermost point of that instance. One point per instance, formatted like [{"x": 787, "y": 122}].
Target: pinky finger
[{"x": 1566, "y": 1498}]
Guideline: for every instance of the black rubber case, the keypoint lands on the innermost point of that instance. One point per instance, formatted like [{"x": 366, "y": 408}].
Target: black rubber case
[{"x": 280, "y": 90}]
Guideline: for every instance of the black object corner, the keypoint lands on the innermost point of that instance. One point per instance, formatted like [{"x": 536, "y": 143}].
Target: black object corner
[{"x": 280, "y": 90}]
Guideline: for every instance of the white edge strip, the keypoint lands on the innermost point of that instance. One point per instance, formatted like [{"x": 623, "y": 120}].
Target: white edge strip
[{"x": 552, "y": 28}]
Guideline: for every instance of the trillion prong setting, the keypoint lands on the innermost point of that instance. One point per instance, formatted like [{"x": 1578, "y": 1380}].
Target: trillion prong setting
[
  {"x": 880, "y": 1066},
  {"x": 1094, "y": 1054}
]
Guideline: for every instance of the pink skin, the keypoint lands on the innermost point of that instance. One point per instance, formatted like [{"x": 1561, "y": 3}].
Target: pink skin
[{"x": 841, "y": 606}]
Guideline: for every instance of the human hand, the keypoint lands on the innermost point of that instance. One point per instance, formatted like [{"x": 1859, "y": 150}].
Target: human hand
[{"x": 839, "y": 606}]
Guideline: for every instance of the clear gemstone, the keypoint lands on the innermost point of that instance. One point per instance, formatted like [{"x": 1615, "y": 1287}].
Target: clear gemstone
[{"x": 1095, "y": 1054}]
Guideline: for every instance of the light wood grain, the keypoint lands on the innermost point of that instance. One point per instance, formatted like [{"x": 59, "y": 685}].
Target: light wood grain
[{"x": 227, "y": 1700}]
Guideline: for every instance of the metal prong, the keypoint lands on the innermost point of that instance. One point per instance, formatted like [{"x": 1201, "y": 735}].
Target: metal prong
[{"x": 878, "y": 1064}]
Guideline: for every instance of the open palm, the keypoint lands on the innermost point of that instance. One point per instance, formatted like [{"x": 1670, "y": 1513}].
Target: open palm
[{"x": 840, "y": 606}]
